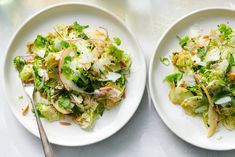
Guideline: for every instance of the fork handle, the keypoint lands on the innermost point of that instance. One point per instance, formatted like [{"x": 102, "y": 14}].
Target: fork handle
[{"x": 48, "y": 152}]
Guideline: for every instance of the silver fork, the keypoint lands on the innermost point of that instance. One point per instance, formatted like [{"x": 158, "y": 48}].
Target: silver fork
[{"x": 48, "y": 152}]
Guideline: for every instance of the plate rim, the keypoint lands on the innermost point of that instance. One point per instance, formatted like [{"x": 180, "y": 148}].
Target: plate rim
[
  {"x": 54, "y": 6},
  {"x": 150, "y": 77}
]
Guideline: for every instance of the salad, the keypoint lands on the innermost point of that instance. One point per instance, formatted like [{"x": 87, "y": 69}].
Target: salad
[
  {"x": 203, "y": 81},
  {"x": 77, "y": 72}
]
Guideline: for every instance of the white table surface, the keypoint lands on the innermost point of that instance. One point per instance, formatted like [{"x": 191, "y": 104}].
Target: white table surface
[{"x": 145, "y": 134}]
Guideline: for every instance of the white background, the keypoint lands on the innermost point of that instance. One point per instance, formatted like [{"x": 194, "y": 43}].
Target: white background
[{"x": 145, "y": 134}]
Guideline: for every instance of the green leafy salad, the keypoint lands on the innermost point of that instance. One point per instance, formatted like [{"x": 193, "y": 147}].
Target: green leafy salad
[
  {"x": 203, "y": 81},
  {"x": 76, "y": 71}
]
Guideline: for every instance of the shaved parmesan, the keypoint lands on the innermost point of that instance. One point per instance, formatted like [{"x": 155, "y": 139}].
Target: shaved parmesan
[
  {"x": 40, "y": 52},
  {"x": 213, "y": 55},
  {"x": 58, "y": 44},
  {"x": 203, "y": 41},
  {"x": 198, "y": 60},
  {"x": 82, "y": 46},
  {"x": 86, "y": 58},
  {"x": 223, "y": 65},
  {"x": 100, "y": 64},
  {"x": 111, "y": 76},
  {"x": 188, "y": 80},
  {"x": 223, "y": 100},
  {"x": 77, "y": 99},
  {"x": 99, "y": 33}
]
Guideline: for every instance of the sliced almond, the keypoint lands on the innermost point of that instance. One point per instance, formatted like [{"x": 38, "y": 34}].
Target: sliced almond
[
  {"x": 65, "y": 123},
  {"x": 30, "y": 47},
  {"x": 231, "y": 76},
  {"x": 107, "y": 88},
  {"x": 206, "y": 37},
  {"x": 29, "y": 81},
  {"x": 123, "y": 64},
  {"x": 25, "y": 110}
]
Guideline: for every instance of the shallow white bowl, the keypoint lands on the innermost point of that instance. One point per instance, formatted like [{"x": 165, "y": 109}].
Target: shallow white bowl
[
  {"x": 190, "y": 129},
  {"x": 43, "y": 22}
]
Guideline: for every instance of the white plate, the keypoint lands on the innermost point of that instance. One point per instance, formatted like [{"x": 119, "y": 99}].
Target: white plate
[
  {"x": 190, "y": 129},
  {"x": 94, "y": 16}
]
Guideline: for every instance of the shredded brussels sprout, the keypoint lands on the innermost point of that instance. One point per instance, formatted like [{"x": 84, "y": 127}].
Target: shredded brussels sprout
[
  {"x": 203, "y": 81},
  {"x": 76, "y": 70}
]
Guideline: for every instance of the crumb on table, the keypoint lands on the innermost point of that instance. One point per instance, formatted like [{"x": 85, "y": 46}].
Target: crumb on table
[
  {"x": 219, "y": 138},
  {"x": 20, "y": 97}
]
